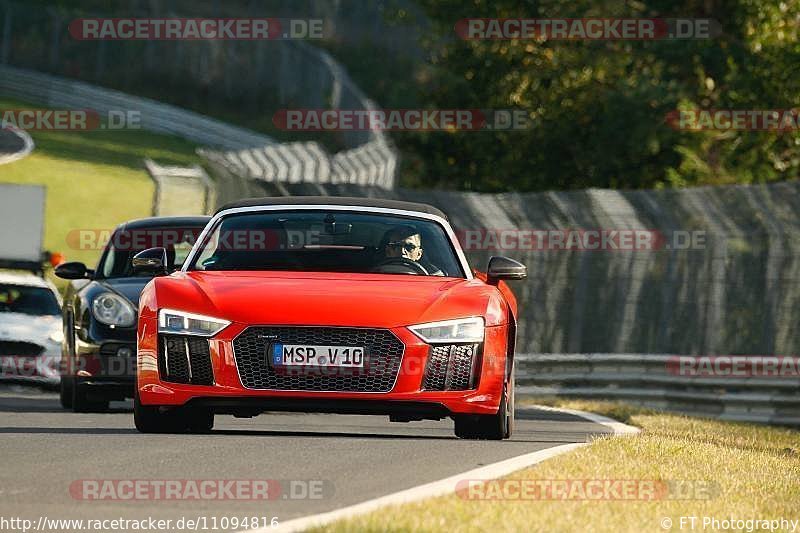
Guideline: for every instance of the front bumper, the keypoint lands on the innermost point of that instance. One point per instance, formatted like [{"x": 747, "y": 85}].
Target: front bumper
[
  {"x": 111, "y": 361},
  {"x": 405, "y": 400},
  {"x": 40, "y": 369}
]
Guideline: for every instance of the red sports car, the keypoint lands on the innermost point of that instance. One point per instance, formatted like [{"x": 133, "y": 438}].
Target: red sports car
[{"x": 324, "y": 304}]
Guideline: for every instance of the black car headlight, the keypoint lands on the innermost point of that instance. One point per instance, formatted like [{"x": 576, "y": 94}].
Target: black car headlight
[{"x": 113, "y": 310}]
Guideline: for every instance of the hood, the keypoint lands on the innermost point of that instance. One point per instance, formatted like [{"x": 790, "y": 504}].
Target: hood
[
  {"x": 366, "y": 300},
  {"x": 130, "y": 288},
  {"x": 22, "y": 327}
]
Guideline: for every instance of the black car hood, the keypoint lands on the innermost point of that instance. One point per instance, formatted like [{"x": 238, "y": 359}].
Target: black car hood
[{"x": 130, "y": 288}]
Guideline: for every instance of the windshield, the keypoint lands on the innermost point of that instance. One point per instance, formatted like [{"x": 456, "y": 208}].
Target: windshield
[
  {"x": 28, "y": 300},
  {"x": 116, "y": 261},
  {"x": 321, "y": 241}
]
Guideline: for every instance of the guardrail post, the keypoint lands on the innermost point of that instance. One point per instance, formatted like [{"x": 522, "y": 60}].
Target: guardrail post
[
  {"x": 5, "y": 51},
  {"x": 716, "y": 301},
  {"x": 55, "y": 45}
]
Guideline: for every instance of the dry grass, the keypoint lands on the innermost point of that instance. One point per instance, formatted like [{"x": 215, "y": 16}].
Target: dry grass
[{"x": 754, "y": 471}]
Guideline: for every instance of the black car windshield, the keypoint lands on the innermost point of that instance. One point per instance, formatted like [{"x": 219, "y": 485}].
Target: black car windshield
[
  {"x": 28, "y": 300},
  {"x": 329, "y": 241},
  {"x": 124, "y": 244}
]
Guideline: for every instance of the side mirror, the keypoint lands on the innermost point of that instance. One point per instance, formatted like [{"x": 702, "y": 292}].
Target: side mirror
[
  {"x": 151, "y": 261},
  {"x": 73, "y": 270},
  {"x": 504, "y": 268}
]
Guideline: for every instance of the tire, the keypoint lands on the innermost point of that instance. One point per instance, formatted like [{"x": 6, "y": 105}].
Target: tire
[
  {"x": 150, "y": 418},
  {"x": 200, "y": 420},
  {"x": 80, "y": 403},
  {"x": 65, "y": 393},
  {"x": 498, "y": 426}
]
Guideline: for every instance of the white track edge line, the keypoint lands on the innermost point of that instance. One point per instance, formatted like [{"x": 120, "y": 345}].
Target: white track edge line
[
  {"x": 619, "y": 428},
  {"x": 448, "y": 485},
  {"x": 26, "y": 149}
]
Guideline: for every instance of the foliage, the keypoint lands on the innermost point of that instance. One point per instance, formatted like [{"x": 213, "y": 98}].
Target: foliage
[{"x": 598, "y": 108}]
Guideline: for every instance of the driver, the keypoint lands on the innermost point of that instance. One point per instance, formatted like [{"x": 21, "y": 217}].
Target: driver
[{"x": 406, "y": 242}]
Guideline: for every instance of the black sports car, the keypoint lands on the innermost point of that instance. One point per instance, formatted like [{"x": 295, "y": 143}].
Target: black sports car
[{"x": 98, "y": 355}]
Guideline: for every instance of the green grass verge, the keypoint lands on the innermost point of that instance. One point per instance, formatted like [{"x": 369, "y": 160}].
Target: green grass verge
[
  {"x": 94, "y": 179},
  {"x": 755, "y": 471}
]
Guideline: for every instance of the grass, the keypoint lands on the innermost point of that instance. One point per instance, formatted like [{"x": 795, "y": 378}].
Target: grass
[
  {"x": 754, "y": 472},
  {"x": 94, "y": 179}
]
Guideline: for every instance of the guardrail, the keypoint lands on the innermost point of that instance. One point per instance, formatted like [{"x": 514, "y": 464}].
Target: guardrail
[
  {"x": 180, "y": 190},
  {"x": 371, "y": 164},
  {"x": 647, "y": 380},
  {"x": 241, "y": 151},
  {"x": 58, "y": 92},
  {"x": 369, "y": 160}
]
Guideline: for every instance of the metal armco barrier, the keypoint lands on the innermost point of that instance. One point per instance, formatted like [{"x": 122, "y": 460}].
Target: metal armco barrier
[
  {"x": 241, "y": 151},
  {"x": 371, "y": 164},
  {"x": 648, "y": 380},
  {"x": 180, "y": 190},
  {"x": 63, "y": 93}
]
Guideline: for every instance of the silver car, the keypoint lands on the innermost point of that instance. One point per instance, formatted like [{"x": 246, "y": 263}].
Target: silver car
[{"x": 30, "y": 329}]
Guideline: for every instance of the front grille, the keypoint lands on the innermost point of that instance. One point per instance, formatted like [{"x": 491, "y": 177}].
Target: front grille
[
  {"x": 452, "y": 367},
  {"x": 20, "y": 348},
  {"x": 118, "y": 359},
  {"x": 185, "y": 359},
  {"x": 382, "y": 358}
]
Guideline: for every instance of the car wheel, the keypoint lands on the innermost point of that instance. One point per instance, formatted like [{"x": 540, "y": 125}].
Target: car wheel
[
  {"x": 150, "y": 418},
  {"x": 67, "y": 384},
  {"x": 498, "y": 426},
  {"x": 80, "y": 402},
  {"x": 200, "y": 420}
]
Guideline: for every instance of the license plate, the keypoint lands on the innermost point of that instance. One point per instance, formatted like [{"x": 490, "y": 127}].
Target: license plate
[{"x": 313, "y": 355}]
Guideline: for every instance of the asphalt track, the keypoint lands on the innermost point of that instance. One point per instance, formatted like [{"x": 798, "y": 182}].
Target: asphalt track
[{"x": 342, "y": 460}]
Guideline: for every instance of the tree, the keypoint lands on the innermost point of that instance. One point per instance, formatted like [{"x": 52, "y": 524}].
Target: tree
[{"x": 598, "y": 108}]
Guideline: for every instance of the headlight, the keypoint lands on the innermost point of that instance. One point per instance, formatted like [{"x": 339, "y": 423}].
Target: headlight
[
  {"x": 460, "y": 330},
  {"x": 171, "y": 321},
  {"x": 57, "y": 336},
  {"x": 113, "y": 310}
]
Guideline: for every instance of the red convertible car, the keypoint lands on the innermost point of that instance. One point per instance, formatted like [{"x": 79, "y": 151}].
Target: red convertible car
[{"x": 326, "y": 304}]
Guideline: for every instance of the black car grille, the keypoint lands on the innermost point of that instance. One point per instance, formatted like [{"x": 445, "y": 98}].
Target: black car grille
[
  {"x": 111, "y": 349},
  {"x": 185, "y": 359},
  {"x": 383, "y": 355},
  {"x": 114, "y": 363},
  {"x": 20, "y": 348},
  {"x": 452, "y": 367}
]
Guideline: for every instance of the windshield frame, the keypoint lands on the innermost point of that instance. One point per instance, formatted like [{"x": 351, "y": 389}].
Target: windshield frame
[{"x": 466, "y": 271}]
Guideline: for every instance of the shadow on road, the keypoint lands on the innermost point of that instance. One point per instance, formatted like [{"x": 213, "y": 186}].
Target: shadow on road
[
  {"x": 68, "y": 431},
  {"x": 27, "y": 404},
  {"x": 328, "y": 434}
]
